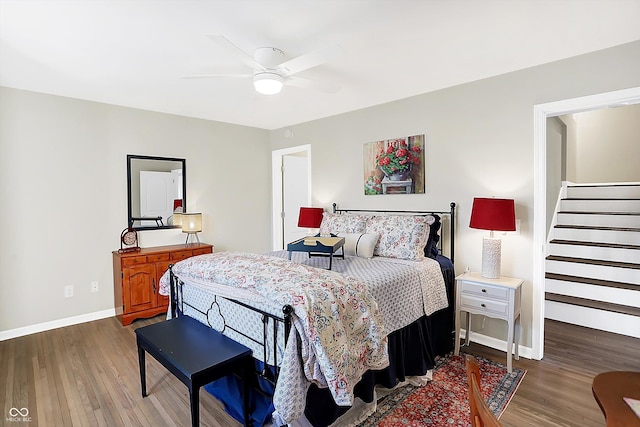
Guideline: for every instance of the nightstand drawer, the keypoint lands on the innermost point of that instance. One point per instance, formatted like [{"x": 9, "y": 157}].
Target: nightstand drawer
[
  {"x": 469, "y": 288},
  {"x": 480, "y": 304}
]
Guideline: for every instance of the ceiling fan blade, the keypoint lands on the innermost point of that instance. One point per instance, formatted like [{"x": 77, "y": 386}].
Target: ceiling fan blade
[
  {"x": 326, "y": 87},
  {"x": 207, "y": 76},
  {"x": 311, "y": 59},
  {"x": 241, "y": 54}
]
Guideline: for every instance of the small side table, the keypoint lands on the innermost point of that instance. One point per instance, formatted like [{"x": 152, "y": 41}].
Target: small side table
[
  {"x": 317, "y": 245},
  {"x": 496, "y": 298}
]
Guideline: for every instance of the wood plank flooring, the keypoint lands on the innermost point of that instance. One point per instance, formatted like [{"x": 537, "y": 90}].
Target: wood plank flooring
[{"x": 87, "y": 375}]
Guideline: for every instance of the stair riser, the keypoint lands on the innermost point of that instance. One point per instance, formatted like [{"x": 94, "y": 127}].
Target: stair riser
[
  {"x": 605, "y": 192},
  {"x": 630, "y": 221},
  {"x": 602, "y": 236},
  {"x": 600, "y": 205},
  {"x": 592, "y": 318},
  {"x": 596, "y": 253},
  {"x": 594, "y": 292},
  {"x": 614, "y": 274}
]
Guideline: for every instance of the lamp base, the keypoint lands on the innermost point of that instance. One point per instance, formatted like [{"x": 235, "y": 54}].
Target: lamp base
[
  {"x": 491, "y": 252},
  {"x": 192, "y": 234}
]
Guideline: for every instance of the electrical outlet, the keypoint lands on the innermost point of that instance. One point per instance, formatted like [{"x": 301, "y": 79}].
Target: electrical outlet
[
  {"x": 95, "y": 287},
  {"x": 68, "y": 291}
]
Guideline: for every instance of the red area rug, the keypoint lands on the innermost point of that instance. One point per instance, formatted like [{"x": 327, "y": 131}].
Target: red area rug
[{"x": 444, "y": 401}]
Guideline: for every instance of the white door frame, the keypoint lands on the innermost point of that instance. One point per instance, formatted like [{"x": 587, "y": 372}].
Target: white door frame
[
  {"x": 276, "y": 183},
  {"x": 540, "y": 114}
]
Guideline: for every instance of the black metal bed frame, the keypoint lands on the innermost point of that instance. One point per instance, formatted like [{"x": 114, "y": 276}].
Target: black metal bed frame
[{"x": 177, "y": 300}]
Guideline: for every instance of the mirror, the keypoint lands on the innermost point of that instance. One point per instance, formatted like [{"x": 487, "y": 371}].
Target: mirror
[{"x": 156, "y": 188}]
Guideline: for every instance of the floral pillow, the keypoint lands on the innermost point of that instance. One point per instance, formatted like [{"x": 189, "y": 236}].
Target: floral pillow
[
  {"x": 342, "y": 223},
  {"x": 401, "y": 236},
  {"x": 359, "y": 244}
]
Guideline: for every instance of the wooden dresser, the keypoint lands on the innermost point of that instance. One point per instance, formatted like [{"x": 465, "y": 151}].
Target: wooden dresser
[{"x": 136, "y": 277}]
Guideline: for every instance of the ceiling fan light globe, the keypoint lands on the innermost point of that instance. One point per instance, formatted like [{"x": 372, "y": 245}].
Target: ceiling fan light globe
[{"x": 268, "y": 83}]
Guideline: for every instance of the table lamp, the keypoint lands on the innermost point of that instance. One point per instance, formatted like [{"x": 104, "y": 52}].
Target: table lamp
[
  {"x": 310, "y": 217},
  {"x": 177, "y": 219},
  {"x": 492, "y": 215},
  {"x": 192, "y": 225}
]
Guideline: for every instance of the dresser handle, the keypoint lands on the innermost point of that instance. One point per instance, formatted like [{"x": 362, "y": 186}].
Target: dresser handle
[
  {"x": 153, "y": 280},
  {"x": 484, "y": 290},
  {"x": 483, "y": 305}
]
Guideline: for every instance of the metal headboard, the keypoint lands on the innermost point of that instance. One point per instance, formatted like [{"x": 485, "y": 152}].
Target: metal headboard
[{"x": 451, "y": 213}]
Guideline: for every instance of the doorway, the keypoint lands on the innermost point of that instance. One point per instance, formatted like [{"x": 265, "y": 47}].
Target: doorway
[
  {"x": 541, "y": 113},
  {"x": 291, "y": 189}
]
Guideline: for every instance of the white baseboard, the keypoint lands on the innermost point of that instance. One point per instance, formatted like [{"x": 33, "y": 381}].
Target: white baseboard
[
  {"x": 498, "y": 344},
  {"x": 54, "y": 324}
]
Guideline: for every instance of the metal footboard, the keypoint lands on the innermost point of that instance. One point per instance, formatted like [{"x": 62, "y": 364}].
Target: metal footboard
[{"x": 178, "y": 304}]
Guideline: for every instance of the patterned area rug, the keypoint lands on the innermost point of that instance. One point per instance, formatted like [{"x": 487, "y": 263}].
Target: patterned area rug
[{"x": 444, "y": 401}]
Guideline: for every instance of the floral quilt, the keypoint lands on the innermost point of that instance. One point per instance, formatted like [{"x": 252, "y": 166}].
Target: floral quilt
[{"x": 338, "y": 324}]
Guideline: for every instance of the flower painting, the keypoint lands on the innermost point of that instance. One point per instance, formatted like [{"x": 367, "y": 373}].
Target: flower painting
[{"x": 394, "y": 166}]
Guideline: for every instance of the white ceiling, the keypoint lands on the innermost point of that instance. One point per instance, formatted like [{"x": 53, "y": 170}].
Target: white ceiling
[{"x": 133, "y": 52}]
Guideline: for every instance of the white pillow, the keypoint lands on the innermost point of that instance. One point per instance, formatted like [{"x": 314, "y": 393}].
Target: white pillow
[{"x": 359, "y": 244}]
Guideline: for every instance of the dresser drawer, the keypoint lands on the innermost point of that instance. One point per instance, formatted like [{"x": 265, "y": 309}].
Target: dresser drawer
[
  {"x": 158, "y": 257},
  {"x": 202, "y": 251},
  {"x": 130, "y": 261},
  {"x": 479, "y": 289},
  {"x": 480, "y": 304},
  {"x": 177, "y": 256}
]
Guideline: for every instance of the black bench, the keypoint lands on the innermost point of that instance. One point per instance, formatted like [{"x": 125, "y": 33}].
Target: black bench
[{"x": 196, "y": 355}]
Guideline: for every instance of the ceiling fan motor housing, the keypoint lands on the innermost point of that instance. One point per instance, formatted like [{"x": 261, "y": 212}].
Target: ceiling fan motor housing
[
  {"x": 269, "y": 81},
  {"x": 269, "y": 57}
]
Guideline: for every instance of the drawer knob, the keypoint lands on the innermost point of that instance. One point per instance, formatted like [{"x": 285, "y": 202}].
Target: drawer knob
[
  {"x": 483, "y": 305},
  {"x": 484, "y": 290}
]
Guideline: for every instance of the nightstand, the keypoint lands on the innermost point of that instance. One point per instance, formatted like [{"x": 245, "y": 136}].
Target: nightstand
[{"x": 496, "y": 298}]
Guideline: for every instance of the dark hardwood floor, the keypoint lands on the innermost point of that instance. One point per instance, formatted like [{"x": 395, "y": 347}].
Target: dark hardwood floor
[{"x": 87, "y": 375}]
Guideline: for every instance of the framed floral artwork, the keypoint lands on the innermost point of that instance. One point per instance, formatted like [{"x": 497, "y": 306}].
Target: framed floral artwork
[{"x": 394, "y": 166}]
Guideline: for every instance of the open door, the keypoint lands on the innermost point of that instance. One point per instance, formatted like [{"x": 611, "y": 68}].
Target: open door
[
  {"x": 295, "y": 193},
  {"x": 291, "y": 189}
]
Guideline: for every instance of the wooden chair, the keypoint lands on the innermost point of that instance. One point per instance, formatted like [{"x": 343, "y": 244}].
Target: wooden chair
[{"x": 481, "y": 415}]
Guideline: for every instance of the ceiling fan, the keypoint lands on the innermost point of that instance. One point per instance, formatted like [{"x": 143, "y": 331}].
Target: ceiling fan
[{"x": 271, "y": 70}]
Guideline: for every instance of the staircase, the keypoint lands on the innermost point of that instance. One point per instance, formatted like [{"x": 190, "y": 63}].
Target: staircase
[{"x": 593, "y": 265}]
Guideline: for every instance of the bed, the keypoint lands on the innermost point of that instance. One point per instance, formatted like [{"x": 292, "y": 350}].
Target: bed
[{"x": 323, "y": 340}]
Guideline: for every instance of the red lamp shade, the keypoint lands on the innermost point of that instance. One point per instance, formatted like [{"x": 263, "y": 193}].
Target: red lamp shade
[
  {"x": 493, "y": 214},
  {"x": 310, "y": 217}
]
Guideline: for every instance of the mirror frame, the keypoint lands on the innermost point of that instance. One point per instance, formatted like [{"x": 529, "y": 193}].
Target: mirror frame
[{"x": 131, "y": 157}]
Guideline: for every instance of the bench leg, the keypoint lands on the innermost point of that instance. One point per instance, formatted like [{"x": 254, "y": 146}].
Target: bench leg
[
  {"x": 194, "y": 397},
  {"x": 143, "y": 377},
  {"x": 244, "y": 378}
]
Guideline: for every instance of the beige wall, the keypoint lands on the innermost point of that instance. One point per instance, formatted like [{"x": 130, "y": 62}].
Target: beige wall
[
  {"x": 64, "y": 198},
  {"x": 556, "y": 154},
  {"x": 607, "y": 145},
  {"x": 479, "y": 143}
]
